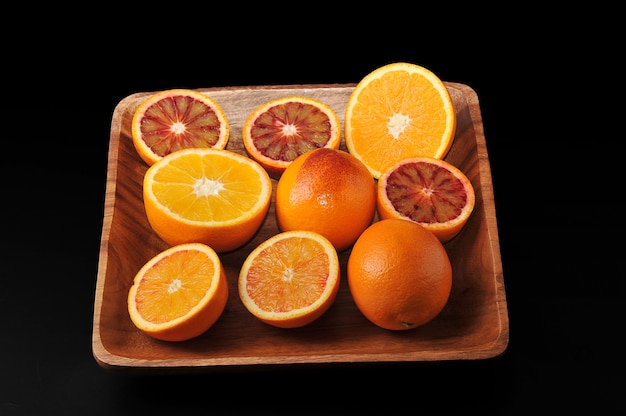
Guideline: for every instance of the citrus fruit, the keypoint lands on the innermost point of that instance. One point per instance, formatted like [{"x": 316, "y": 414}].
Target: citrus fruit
[
  {"x": 282, "y": 129},
  {"x": 179, "y": 293},
  {"x": 398, "y": 111},
  {"x": 177, "y": 119},
  {"x": 290, "y": 279},
  {"x": 211, "y": 196},
  {"x": 327, "y": 191},
  {"x": 429, "y": 191},
  {"x": 399, "y": 274}
]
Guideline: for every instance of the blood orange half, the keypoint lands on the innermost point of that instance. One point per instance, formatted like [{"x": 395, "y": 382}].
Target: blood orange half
[
  {"x": 282, "y": 129},
  {"x": 428, "y": 191},
  {"x": 177, "y": 119},
  {"x": 290, "y": 279}
]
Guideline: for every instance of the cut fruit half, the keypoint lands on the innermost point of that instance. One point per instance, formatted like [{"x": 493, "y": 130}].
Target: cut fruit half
[
  {"x": 398, "y": 111},
  {"x": 280, "y": 130},
  {"x": 199, "y": 195},
  {"x": 177, "y": 119},
  {"x": 291, "y": 279},
  {"x": 179, "y": 293},
  {"x": 428, "y": 191}
]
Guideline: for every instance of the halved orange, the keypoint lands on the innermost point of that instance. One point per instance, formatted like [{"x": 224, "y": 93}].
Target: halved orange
[
  {"x": 211, "y": 196},
  {"x": 282, "y": 129},
  {"x": 290, "y": 279},
  {"x": 179, "y": 293},
  {"x": 398, "y": 111},
  {"x": 429, "y": 191},
  {"x": 177, "y": 119}
]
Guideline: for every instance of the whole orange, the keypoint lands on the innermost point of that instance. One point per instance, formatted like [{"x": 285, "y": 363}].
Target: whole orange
[
  {"x": 399, "y": 274},
  {"x": 327, "y": 191}
]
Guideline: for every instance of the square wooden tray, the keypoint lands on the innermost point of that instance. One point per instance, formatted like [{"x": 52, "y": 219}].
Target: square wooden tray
[{"x": 473, "y": 325}]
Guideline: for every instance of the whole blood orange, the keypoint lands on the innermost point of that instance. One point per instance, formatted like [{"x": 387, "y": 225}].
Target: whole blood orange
[
  {"x": 177, "y": 119},
  {"x": 399, "y": 274},
  {"x": 429, "y": 191},
  {"x": 284, "y": 128},
  {"x": 290, "y": 279},
  {"x": 327, "y": 191}
]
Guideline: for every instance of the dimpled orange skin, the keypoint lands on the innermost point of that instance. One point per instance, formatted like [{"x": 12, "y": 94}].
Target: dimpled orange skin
[
  {"x": 327, "y": 191},
  {"x": 399, "y": 274}
]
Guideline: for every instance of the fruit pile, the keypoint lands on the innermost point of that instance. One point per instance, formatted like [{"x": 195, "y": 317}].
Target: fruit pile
[{"x": 203, "y": 200}]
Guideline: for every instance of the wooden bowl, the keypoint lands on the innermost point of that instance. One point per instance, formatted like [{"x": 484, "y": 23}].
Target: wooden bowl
[{"x": 472, "y": 326}]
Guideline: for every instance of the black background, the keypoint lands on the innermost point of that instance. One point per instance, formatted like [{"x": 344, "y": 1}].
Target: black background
[{"x": 553, "y": 206}]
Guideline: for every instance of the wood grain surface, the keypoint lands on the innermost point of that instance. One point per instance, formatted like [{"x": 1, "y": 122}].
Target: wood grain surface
[{"x": 474, "y": 324}]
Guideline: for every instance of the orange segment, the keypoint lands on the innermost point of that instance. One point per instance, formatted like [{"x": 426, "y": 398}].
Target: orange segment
[
  {"x": 280, "y": 130},
  {"x": 398, "y": 111},
  {"x": 216, "y": 197},
  {"x": 429, "y": 191},
  {"x": 179, "y": 293},
  {"x": 177, "y": 119},
  {"x": 291, "y": 279}
]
